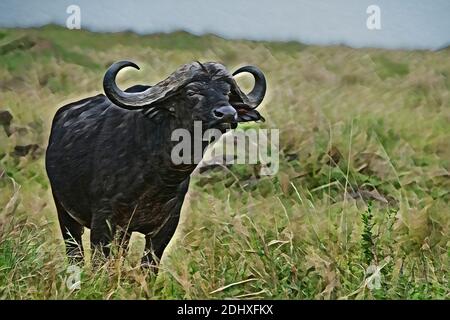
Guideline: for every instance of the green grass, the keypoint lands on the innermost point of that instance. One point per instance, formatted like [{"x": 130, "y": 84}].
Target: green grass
[{"x": 363, "y": 180}]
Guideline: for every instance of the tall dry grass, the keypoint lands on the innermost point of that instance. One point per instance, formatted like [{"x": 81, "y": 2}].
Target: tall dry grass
[{"x": 363, "y": 177}]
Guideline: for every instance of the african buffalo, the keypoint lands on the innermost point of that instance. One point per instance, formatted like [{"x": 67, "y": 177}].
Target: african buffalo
[{"x": 109, "y": 156}]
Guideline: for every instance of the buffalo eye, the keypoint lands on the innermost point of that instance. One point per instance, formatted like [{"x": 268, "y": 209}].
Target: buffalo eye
[{"x": 192, "y": 93}]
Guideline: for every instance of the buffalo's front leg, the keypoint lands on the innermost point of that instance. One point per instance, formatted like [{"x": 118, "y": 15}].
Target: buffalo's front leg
[
  {"x": 123, "y": 237},
  {"x": 155, "y": 244},
  {"x": 71, "y": 231},
  {"x": 102, "y": 232}
]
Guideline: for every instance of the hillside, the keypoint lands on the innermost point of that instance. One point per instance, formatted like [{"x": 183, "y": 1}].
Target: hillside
[{"x": 363, "y": 180}]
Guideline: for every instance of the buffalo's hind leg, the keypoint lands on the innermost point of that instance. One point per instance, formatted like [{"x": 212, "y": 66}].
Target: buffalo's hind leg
[{"x": 71, "y": 231}]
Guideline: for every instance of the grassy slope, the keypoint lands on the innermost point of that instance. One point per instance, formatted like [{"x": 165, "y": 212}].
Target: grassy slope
[{"x": 357, "y": 127}]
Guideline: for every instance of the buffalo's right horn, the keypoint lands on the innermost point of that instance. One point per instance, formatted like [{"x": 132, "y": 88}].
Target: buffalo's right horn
[
  {"x": 130, "y": 101},
  {"x": 256, "y": 96}
]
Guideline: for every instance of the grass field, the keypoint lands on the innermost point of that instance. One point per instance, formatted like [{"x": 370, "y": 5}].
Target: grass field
[{"x": 363, "y": 181}]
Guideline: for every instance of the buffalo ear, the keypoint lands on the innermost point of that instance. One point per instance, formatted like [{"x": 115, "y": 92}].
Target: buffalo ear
[{"x": 245, "y": 114}]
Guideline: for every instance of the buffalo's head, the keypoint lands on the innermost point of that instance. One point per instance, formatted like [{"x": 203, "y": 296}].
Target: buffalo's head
[{"x": 195, "y": 92}]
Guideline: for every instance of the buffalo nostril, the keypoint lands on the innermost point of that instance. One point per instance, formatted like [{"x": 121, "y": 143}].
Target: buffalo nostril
[
  {"x": 225, "y": 113},
  {"x": 218, "y": 114}
]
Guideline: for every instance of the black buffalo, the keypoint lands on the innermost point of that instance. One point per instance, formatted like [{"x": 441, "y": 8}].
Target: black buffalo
[{"x": 108, "y": 158}]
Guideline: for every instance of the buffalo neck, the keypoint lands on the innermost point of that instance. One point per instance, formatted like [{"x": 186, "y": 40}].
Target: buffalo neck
[{"x": 158, "y": 133}]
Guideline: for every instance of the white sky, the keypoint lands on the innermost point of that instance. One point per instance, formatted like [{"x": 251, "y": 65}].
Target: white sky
[{"x": 404, "y": 23}]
